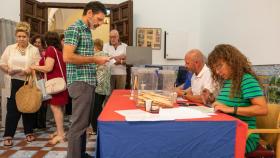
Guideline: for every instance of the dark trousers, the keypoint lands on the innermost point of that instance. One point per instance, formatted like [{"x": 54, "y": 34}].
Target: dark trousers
[
  {"x": 40, "y": 116},
  {"x": 96, "y": 110},
  {"x": 68, "y": 107},
  {"x": 13, "y": 115}
]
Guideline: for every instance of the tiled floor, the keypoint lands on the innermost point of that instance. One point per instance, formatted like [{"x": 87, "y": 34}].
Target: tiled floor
[{"x": 40, "y": 148}]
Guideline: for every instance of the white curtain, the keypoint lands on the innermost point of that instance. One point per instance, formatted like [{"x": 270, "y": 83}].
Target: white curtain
[{"x": 7, "y": 37}]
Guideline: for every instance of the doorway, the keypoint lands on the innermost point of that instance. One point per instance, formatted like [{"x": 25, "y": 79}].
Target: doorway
[{"x": 59, "y": 19}]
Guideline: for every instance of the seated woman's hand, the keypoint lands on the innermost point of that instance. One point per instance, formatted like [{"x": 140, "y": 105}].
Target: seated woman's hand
[
  {"x": 222, "y": 107},
  {"x": 207, "y": 96}
]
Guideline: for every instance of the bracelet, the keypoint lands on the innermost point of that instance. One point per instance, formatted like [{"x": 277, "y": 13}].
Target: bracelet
[
  {"x": 185, "y": 95},
  {"x": 235, "y": 110}
]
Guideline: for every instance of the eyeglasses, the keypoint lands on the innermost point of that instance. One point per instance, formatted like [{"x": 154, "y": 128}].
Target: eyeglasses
[{"x": 218, "y": 66}]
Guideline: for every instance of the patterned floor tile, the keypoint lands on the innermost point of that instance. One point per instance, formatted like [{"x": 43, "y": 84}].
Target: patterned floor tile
[
  {"x": 16, "y": 148},
  {"x": 14, "y": 141},
  {"x": 37, "y": 144},
  {"x": 47, "y": 148},
  {"x": 43, "y": 135},
  {"x": 56, "y": 154},
  {"x": 23, "y": 154},
  {"x": 2, "y": 151},
  {"x": 64, "y": 145},
  {"x": 40, "y": 148},
  {"x": 19, "y": 134}
]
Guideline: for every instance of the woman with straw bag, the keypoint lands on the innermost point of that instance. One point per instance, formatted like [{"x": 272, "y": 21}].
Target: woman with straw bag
[{"x": 16, "y": 61}]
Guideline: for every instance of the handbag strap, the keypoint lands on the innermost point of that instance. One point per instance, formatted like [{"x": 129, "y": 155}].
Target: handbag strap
[
  {"x": 27, "y": 79},
  {"x": 45, "y": 74},
  {"x": 32, "y": 80},
  {"x": 58, "y": 64}
]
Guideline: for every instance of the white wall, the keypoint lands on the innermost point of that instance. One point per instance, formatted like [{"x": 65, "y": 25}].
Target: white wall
[
  {"x": 253, "y": 26},
  {"x": 10, "y": 9},
  {"x": 171, "y": 16}
]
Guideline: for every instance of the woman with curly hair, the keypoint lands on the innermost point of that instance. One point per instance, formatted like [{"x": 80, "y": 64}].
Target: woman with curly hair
[{"x": 240, "y": 92}]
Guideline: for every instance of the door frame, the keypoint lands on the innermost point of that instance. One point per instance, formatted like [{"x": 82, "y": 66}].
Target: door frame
[{"x": 71, "y": 5}]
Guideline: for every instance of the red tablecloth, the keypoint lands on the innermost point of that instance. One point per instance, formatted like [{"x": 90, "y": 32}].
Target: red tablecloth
[{"x": 119, "y": 100}]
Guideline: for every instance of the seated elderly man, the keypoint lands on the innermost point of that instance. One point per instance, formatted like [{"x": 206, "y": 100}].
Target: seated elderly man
[{"x": 201, "y": 80}]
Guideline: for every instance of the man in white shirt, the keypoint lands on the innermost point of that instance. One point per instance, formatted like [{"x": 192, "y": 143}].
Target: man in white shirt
[
  {"x": 201, "y": 79},
  {"x": 117, "y": 50}
]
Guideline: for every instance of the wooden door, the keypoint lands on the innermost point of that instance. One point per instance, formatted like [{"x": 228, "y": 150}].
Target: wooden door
[
  {"x": 36, "y": 14},
  {"x": 121, "y": 19}
]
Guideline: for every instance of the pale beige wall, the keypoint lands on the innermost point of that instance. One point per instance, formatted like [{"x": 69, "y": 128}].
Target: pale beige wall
[
  {"x": 66, "y": 17},
  {"x": 102, "y": 32}
]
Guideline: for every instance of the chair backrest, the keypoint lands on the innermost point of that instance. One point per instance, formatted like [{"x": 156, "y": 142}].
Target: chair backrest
[{"x": 271, "y": 121}]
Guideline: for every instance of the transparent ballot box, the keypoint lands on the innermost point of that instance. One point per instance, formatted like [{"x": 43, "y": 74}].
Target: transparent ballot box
[
  {"x": 144, "y": 78},
  {"x": 166, "y": 80},
  {"x": 153, "y": 84}
]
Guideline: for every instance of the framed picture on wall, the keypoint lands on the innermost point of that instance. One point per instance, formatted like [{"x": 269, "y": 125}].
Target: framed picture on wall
[{"x": 148, "y": 37}]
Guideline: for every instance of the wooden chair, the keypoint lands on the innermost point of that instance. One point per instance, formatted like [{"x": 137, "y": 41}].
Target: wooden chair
[{"x": 269, "y": 129}]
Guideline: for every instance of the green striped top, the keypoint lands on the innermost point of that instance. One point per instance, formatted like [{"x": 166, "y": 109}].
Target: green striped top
[{"x": 250, "y": 88}]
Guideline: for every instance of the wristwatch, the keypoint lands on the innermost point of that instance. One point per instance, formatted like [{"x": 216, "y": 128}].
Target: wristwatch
[
  {"x": 235, "y": 110},
  {"x": 185, "y": 94}
]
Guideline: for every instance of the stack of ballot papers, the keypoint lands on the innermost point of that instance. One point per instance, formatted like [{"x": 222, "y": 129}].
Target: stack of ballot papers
[{"x": 165, "y": 114}]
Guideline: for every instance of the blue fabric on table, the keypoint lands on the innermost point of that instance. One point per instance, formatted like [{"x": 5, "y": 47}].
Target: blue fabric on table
[{"x": 166, "y": 139}]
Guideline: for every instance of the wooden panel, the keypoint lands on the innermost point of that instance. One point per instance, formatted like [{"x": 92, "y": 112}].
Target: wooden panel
[
  {"x": 35, "y": 13},
  {"x": 119, "y": 27},
  {"x": 40, "y": 12},
  {"x": 122, "y": 20},
  {"x": 115, "y": 14},
  {"x": 35, "y": 26},
  {"x": 29, "y": 8},
  {"x": 124, "y": 12},
  {"x": 71, "y": 5},
  {"x": 126, "y": 28}
]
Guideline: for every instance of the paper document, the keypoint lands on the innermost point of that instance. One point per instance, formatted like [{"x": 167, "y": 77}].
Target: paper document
[
  {"x": 182, "y": 113},
  {"x": 112, "y": 61},
  {"x": 180, "y": 99},
  {"x": 167, "y": 114},
  {"x": 204, "y": 109},
  {"x": 140, "y": 115}
]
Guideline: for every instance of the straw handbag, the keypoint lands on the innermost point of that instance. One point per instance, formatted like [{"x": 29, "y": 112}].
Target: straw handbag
[
  {"x": 29, "y": 96},
  {"x": 58, "y": 84}
]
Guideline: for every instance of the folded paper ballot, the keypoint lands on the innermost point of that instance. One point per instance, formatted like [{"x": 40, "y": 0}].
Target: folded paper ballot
[{"x": 112, "y": 61}]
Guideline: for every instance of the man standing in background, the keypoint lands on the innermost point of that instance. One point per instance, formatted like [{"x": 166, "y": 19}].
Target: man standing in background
[
  {"x": 117, "y": 50},
  {"x": 81, "y": 74}
]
